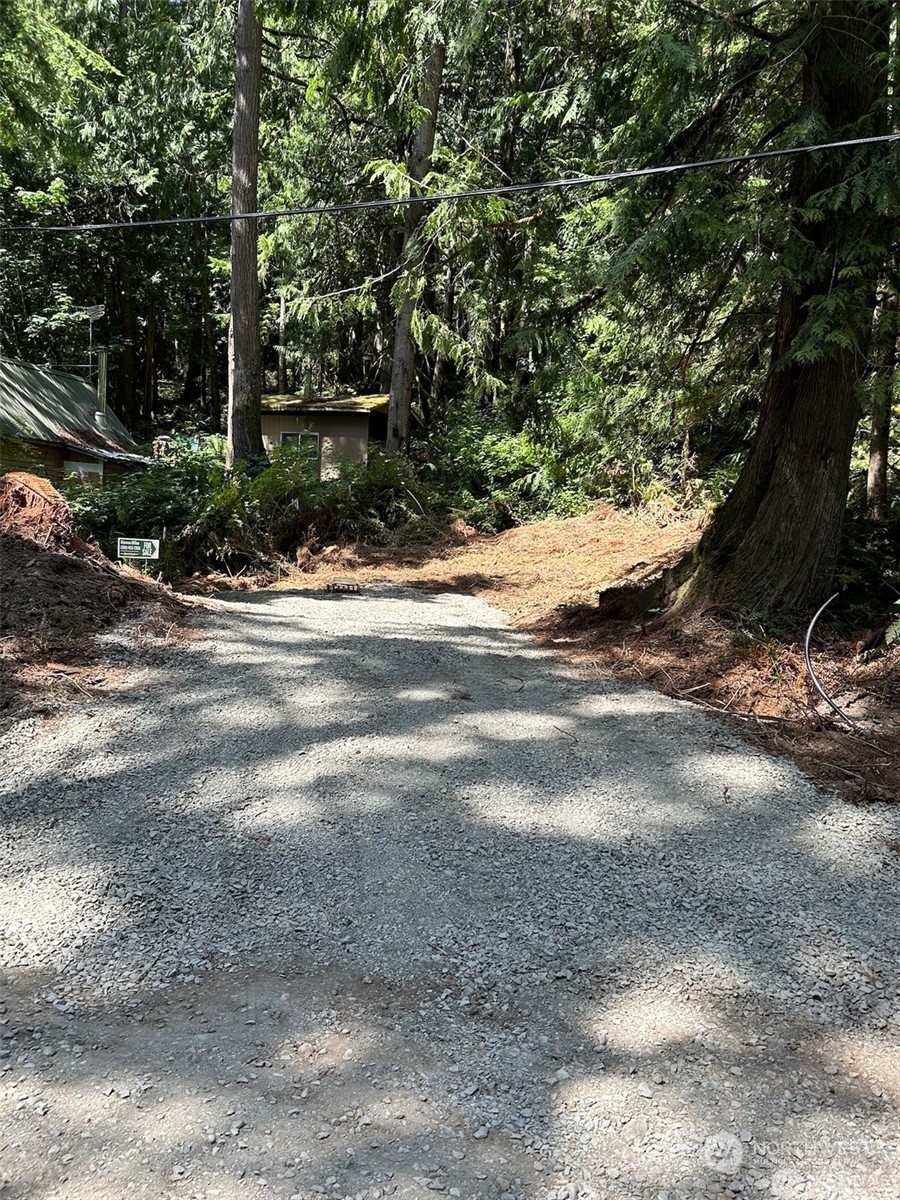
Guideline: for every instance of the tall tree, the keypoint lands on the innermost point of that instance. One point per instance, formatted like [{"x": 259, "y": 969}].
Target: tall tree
[
  {"x": 38, "y": 60},
  {"x": 884, "y": 364},
  {"x": 142, "y": 139},
  {"x": 418, "y": 166},
  {"x": 244, "y": 360},
  {"x": 773, "y": 545}
]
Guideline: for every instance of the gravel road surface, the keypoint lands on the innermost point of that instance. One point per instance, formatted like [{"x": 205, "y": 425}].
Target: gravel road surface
[{"x": 367, "y": 896}]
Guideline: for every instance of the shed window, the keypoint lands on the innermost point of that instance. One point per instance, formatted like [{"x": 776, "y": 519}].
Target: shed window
[
  {"x": 306, "y": 443},
  {"x": 87, "y": 472}
]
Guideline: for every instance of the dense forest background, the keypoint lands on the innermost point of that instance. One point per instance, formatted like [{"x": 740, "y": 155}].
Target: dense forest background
[{"x": 617, "y": 341}]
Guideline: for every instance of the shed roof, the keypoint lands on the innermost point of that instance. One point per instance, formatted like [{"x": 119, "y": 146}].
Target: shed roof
[
  {"x": 55, "y": 407},
  {"x": 291, "y": 403}
]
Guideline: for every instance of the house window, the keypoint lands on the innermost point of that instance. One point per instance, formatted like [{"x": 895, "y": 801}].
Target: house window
[
  {"x": 86, "y": 472},
  {"x": 306, "y": 443}
]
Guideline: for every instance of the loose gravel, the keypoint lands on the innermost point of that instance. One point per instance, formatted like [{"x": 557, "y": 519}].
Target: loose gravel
[{"x": 366, "y": 896}]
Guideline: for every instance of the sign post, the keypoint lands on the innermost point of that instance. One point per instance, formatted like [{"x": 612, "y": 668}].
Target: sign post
[{"x": 138, "y": 548}]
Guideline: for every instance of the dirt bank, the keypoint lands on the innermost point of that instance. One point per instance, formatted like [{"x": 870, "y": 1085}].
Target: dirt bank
[{"x": 58, "y": 593}]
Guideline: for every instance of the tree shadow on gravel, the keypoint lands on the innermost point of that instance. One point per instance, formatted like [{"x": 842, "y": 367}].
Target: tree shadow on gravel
[{"x": 581, "y": 936}]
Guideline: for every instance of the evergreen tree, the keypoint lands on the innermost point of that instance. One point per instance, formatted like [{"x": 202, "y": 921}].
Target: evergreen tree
[
  {"x": 774, "y": 543},
  {"x": 244, "y": 423}
]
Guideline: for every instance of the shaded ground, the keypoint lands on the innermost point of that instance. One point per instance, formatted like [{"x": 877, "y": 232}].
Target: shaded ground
[
  {"x": 370, "y": 896},
  {"x": 761, "y": 684},
  {"x": 545, "y": 575}
]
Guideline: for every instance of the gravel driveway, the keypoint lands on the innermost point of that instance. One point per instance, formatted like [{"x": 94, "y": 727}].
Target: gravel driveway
[{"x": 367, "y": 896}]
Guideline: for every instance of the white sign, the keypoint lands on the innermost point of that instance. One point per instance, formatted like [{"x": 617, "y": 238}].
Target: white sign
[{"x": 138, "y": 548}]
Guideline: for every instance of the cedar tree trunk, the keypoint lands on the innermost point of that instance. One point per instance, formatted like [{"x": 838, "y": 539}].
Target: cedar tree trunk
[
  {"x": 419, "y": 163},
  {"x": 882, "y": 398},
  {"x": 440, "y": 361},
  {"x": 210, "y": 372},
  {"x": 244, "y": 424},
  {"x": 128, "y": 388},
  {"x": 774, "y": 543},
  {"x": 148, "y": 405},
  {"x": 282, "y": 348}
]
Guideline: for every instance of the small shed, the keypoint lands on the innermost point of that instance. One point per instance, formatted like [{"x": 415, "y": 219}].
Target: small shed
[
  {"x": 328, "y": 430},
  {"x": 50, "y": 424}
]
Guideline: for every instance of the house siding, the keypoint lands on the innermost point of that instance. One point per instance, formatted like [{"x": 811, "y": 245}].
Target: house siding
[
  {"x": 344, "y": 437},
  {"x": 50, "y": 462},
  {"x": 37, "y": 458}
]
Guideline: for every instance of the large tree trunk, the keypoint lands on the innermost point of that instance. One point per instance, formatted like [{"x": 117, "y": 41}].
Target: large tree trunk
[
  {"x": 151, "y": 386},
  {"x": 774, "y": 543},
  {"x": 128, "y": 381},
  {"x": 882, "y": 397},
  {"x": 440, "y": 360},
  {"x": 419, "y": 163},
  {"x": 244, "y": 424}
]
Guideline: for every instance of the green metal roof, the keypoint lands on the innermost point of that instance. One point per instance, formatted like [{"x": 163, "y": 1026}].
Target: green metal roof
[
  {"x": 291, "y": 403},
  {"x": 55, "y": 407}
]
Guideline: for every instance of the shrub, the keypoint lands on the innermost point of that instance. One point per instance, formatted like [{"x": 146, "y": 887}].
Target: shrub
[
  {"x": 211, "y": 519},
  {"x": 495, "y": 477}
]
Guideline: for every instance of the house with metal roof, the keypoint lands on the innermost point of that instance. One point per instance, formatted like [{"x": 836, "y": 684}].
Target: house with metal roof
[
  {"x": 53, "y": 424},
  {"x": 328, "y": 430}
]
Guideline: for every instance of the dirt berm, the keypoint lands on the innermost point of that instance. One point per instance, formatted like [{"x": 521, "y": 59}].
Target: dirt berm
[{"x": 56, "y": 592}]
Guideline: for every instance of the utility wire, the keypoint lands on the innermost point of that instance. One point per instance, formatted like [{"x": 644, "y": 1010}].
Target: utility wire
[{"x": 509, "y": 189}]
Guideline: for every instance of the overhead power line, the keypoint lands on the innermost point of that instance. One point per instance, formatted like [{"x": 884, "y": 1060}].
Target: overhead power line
[{"x": 509, "y": 189}]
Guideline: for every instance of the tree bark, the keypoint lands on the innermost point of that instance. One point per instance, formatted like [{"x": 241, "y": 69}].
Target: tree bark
[
  {"x": 213, "y": 390},
  {"x": 192, "y": 390},
  {"x": 282, "y": 348},
  {"x": 148, "y": 406},
  {"x": 774, "y": 543},
  {"x": 128, "y": 386},
  {"x": 418, "y": 165},
  {"x": 440, "y": 360},
  {"x": 882, "y": 397},
  {"x": 351, "y": 363},
  {"x": 244, "y": 422},
  {"x": 209, "y": 360}
]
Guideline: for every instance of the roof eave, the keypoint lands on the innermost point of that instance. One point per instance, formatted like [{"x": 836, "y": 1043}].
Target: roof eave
[
  {"x": 312, "y": 409},
  {"x": 80, "y": 448}
]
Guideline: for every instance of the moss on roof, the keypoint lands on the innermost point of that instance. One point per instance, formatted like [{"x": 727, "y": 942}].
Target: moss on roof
[{"x": 289, "y": 402}]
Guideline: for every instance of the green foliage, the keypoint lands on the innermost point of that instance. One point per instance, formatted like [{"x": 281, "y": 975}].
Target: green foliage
[
  {"x": 212, "y": 520},
  {"x": 131, "y": 122},
  {"x": 599, "y": 342},
  {"x": 869, "y": 567},
  {"x": 495, "y": 478},
  {"x": 39, "y": 61},
  {"x": 161, "y": 501}
]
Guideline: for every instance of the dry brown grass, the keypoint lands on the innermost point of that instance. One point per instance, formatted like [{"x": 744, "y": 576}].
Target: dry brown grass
[{"x": 534, "y": 568}]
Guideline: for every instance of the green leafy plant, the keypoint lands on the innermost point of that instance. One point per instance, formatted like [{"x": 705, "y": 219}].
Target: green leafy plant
[{"x": 209, "y": 519}]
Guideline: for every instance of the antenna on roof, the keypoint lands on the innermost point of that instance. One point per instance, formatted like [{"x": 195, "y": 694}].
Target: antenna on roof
[
  {"x": 100, "y": 414},
  {"x": 94, "y": 313}
]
